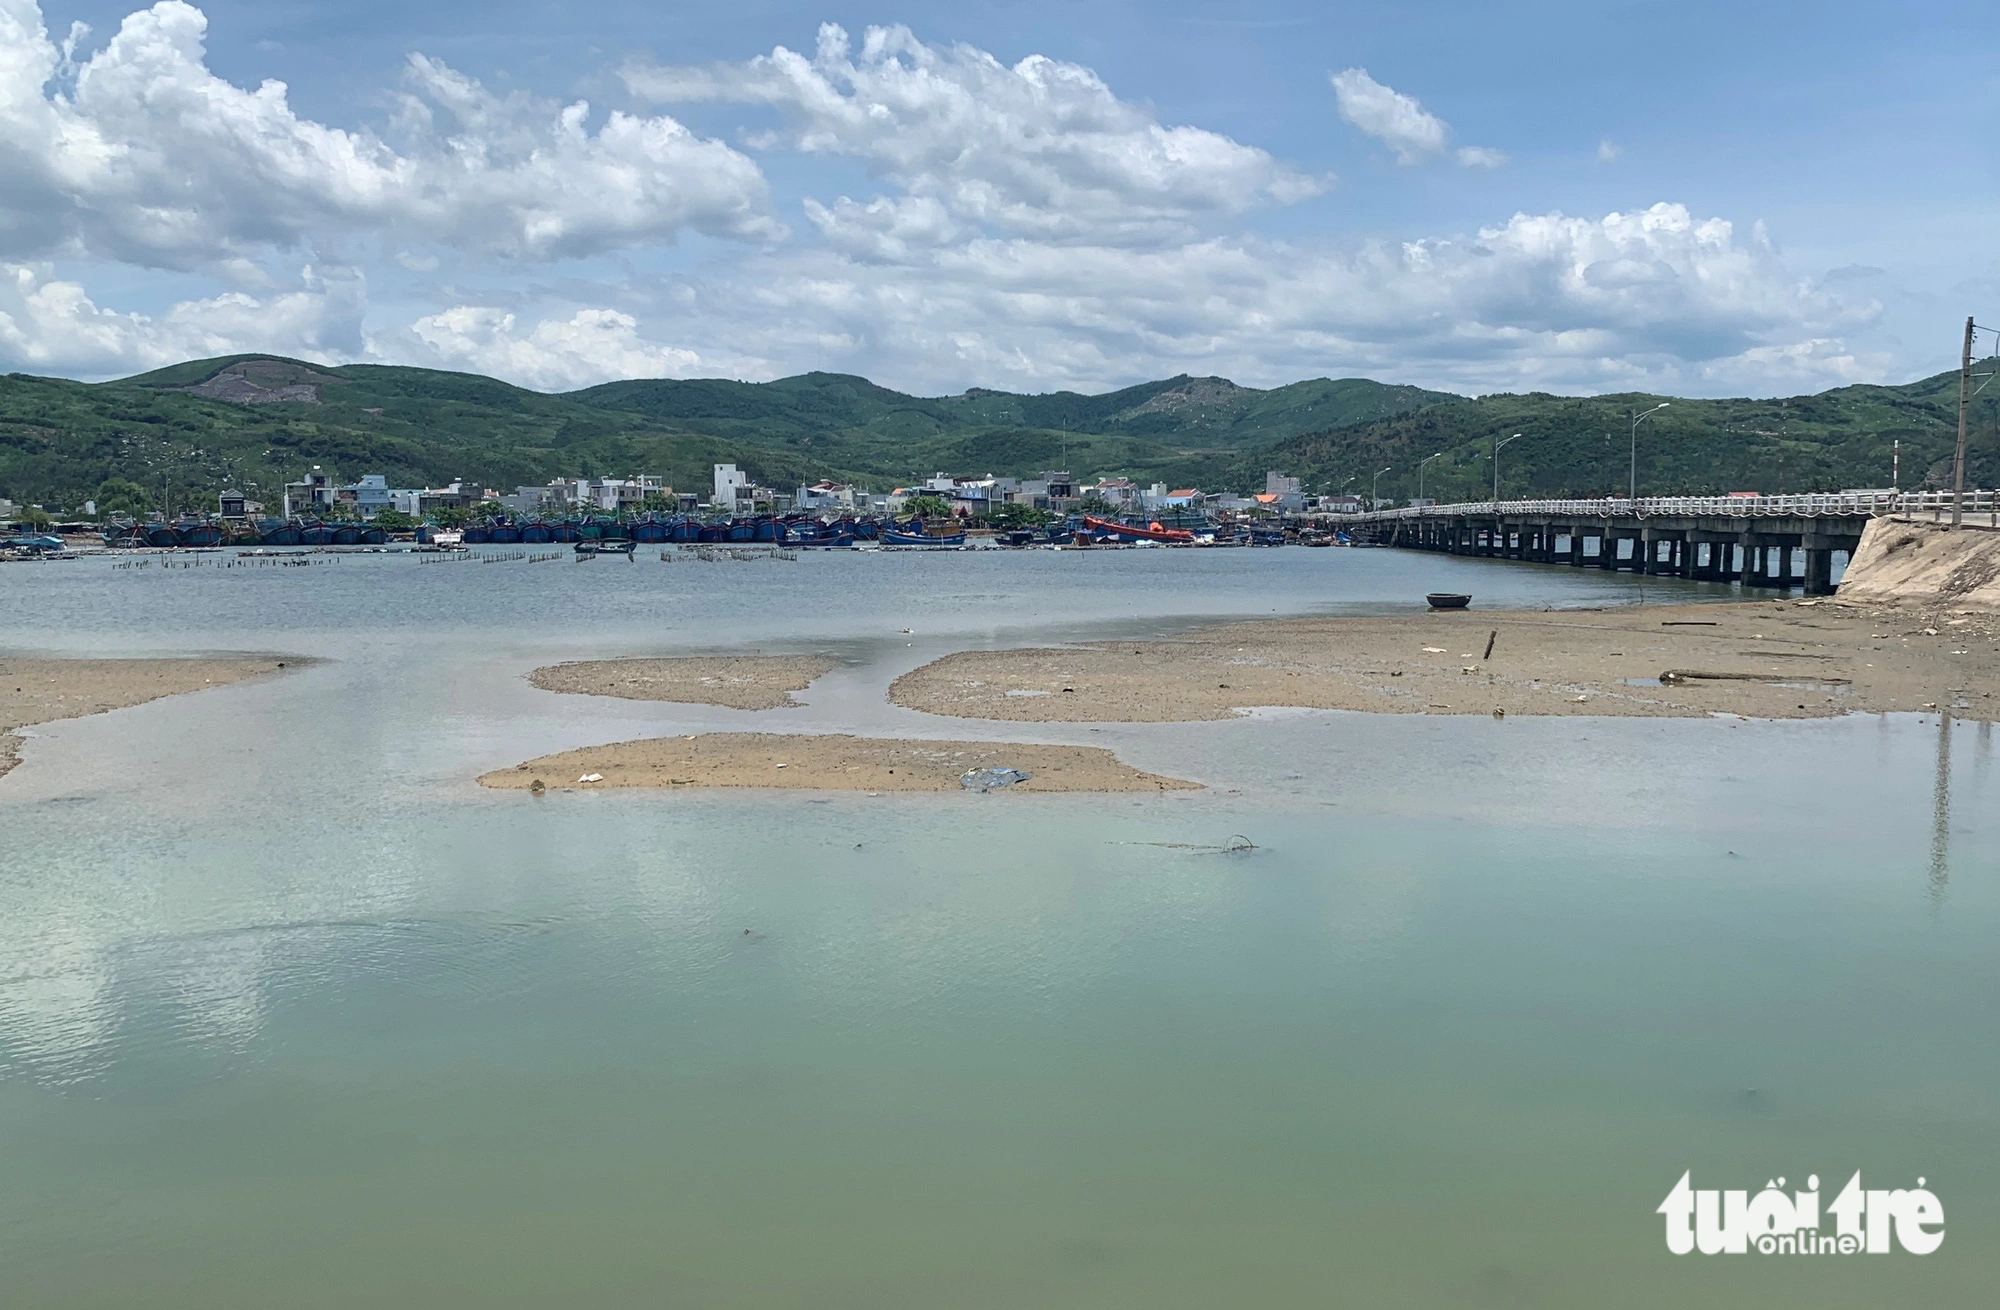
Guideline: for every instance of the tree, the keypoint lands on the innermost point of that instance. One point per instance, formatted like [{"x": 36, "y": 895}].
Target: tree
[
  {"x": 661, "y": 502},
  {"x": 117, "y": 496},
  {"x": 449, "y": 517},
  {"x": 928, "y": 507},
  {"x": 488, "y": 509},
  {"x": 34, "y": 516},
  {"x": 1095, "y": 506},
  {"x": 1008, "y": 517},
  {"x": 394, "y": 520}
]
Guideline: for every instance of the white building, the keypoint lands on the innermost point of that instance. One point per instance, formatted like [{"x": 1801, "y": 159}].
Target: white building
[
  {"x": 1291, "y": 497},
  {"x": 729, "y": 482},
  {"x": 828, "y": 497}
]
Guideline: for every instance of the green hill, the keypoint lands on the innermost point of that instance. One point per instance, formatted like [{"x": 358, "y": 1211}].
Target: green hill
[
  {"x": 255, "y": 421},
  {"x": 1581, "y": 446}
]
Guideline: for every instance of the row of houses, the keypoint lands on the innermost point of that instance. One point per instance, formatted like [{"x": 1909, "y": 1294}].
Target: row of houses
[{"x": 733, "y": 490}]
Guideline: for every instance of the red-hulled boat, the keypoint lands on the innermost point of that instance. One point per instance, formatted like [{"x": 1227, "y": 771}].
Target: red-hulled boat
[{"x": 1151, "y": 532}]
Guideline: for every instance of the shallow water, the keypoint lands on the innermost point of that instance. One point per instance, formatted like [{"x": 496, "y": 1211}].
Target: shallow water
[{"x": 293, "y": 1014}]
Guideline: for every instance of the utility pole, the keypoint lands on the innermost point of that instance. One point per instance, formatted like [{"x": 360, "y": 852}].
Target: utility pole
[{"x": 1964, "y": 404}]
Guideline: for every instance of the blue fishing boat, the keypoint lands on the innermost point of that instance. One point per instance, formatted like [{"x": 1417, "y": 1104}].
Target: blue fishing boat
[
  {"x": 503, "y": 534},
  {"x": 160, "y": 534},
  {"x": 892, "y": 538},
  {"x": 478, "y": 536},
  {"x": 374, "y": 536},
  {"x": 316, "y": 534},
  {"x": 277, "y": 532},
  {"x": 196, "y": 532},
  {"x": 567, "y": 530},
  {"x": 347, "y": 534},
  {"x": 535, "y": 532},
  {"x": 649, "y": 530}
]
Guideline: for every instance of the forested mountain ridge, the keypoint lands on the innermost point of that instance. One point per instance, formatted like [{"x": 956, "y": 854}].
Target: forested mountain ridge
[{"x": 254, "y": 421}]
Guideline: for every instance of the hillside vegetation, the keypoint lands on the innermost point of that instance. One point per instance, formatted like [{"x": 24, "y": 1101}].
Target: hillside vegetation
[{"x": 254, "y": 422}]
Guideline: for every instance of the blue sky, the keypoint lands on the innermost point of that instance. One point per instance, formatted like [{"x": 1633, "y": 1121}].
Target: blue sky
[{"x": 1689, "y": 198}]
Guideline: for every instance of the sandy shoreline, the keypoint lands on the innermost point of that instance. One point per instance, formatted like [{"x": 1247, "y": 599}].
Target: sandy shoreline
[
  {"x": 1787, "y": 659},
  {"x": 43, "y": 690},
  {"x": 737, "y": 682},
  {"x": 827, "y": 763}
]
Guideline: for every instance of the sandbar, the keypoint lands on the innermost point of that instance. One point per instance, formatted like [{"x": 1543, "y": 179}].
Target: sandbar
[
  {"x": 1785, "y": 659},
  {"x": 43, "y": 690},
  {"x": 737, "y": 682},
  {"x": 834, "y": 762}
]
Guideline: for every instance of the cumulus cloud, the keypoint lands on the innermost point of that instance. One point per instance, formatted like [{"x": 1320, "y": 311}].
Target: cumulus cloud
[
  {"x": 1608, "y": 151},
  {"x": 1042, "y": 148},
  {"x": 1656, "y": 297},
  {"x": 588, "y": 347},
  {"x": 51, "y": 325},
  {"x": 1401, "y": 122},
  {"x": 142, "y": 154}
]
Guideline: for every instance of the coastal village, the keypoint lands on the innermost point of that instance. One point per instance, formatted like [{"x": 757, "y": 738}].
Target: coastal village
[{"x": 1054, "y": 508}]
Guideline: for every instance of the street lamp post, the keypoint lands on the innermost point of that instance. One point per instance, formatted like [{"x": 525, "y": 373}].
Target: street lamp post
[
  {"x": 1632, "y": 492},
  {"x": 1498, "y": 446},
  {"x": 1420, "y": 472},
  {"x": 1373, "y": 499}
]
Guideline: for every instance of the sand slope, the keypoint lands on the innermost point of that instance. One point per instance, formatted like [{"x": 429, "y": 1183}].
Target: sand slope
[
  {"x": 1921, "y": 565},
  {"x": 827, "y": 763},
  {"x": 1807, "y": 659}
]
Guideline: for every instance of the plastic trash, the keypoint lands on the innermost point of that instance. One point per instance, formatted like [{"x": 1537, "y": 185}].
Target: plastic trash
[
  {"x": 991, "y": 779},
  {"x": 591, "y": 777}
]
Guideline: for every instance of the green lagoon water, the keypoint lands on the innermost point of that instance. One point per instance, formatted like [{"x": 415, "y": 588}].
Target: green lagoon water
[{"x": 292, "y": 1014}]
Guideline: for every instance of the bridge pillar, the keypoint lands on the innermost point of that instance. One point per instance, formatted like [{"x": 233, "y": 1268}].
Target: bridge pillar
[
  {"x": 1819, "y": 570},
  {"x": 1746, "y": 572},
  {"x": 1646, "y": 551}
]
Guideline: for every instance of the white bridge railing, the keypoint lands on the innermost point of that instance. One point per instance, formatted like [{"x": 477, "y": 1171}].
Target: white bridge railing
[{"x": 1936, "y": 505}]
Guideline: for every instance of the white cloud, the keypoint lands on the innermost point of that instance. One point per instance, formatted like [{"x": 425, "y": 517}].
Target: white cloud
[
  {"x": 52, "y": 326},
  {"x": 141, "y": 154},
  {"x": 1657, "y": 298},
  {"x": 1608, "y": 151},
  {"x": 590, "y": 346},
  {"x": 1401, "y": 122},
  {"x": 1396, "y": 120},
  {"x": 1042, "y": 148}
]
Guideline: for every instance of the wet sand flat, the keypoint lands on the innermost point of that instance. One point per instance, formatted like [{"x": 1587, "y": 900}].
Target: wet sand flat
[
  {"x": 1777, "y": 659},
  {"x": 827, "y": 763},
  {"x": 737, "y": 682},
  {"x": 43, "y": 690}
]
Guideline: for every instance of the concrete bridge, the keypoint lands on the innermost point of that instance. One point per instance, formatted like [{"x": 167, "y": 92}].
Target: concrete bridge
[{"x": 1759, "y": 541}]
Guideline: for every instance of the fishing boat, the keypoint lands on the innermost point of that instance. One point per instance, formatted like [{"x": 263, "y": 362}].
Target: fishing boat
[
  {"x": 197, "y": 532},
  {"x": 590, "y": 548},
  {"x": 893, "y": 538},
  {"x": 1127, "y": 532},
  {"x": 534, "y": 532},
  {"x": 1448, "y": 600}
]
